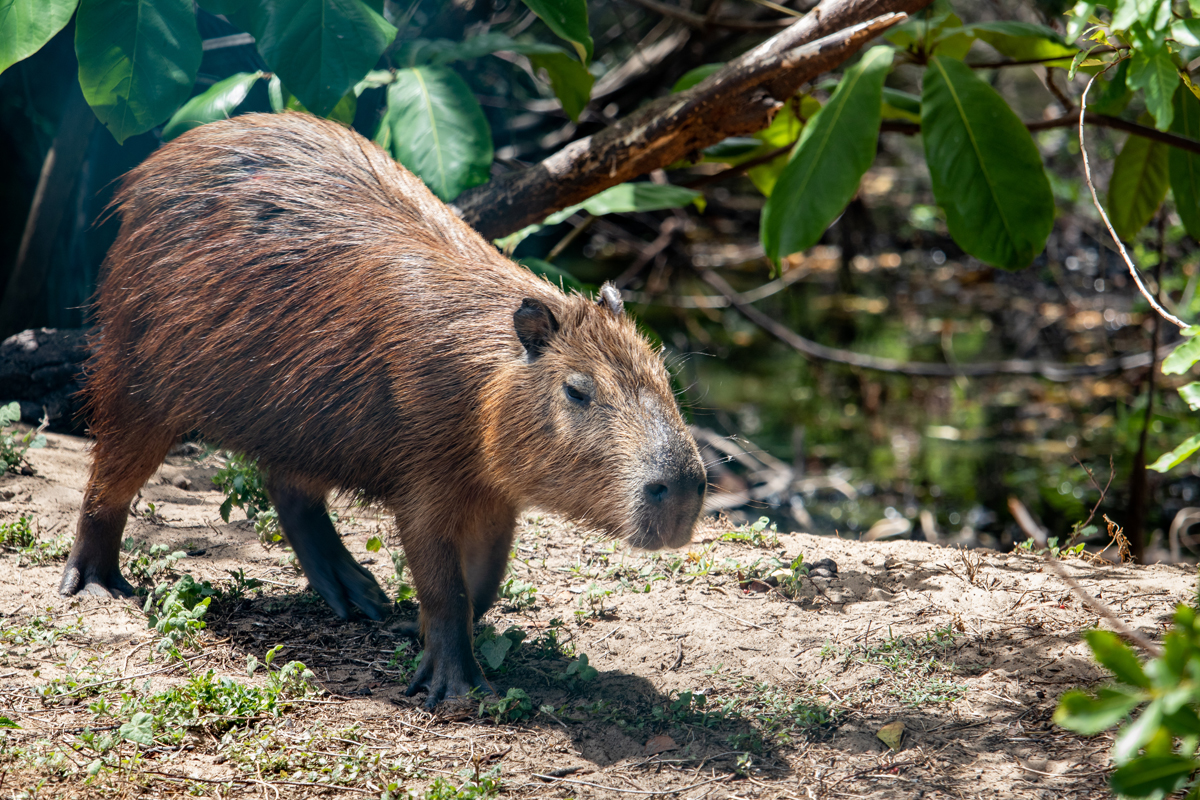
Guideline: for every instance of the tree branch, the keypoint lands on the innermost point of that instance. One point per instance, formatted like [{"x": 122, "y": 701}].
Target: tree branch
[
  {"x": 1050, "y": 370},
  {"x": 1070, "y": 121},
  {"x": 739, "y": 99}
]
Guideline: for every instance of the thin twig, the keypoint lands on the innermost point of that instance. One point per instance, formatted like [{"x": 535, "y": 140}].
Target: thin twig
[
  {"x": 1025, "y": 520},
  {"x": 1087, "y": 171},
  {"x": 1070, "y": 120},
  {"x": 630, "y": 791},
  {"x": 1050, "y": 370}
]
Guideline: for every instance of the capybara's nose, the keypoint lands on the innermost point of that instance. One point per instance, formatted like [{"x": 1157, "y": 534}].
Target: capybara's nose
[{"x": 659, "y": 493}]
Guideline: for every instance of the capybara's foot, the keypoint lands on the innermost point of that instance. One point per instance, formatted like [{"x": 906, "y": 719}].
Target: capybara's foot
[
  {"x": 447, "y": 678},
  {"x": 343, "y": 582},
  {"x": 80, "y": 578}
]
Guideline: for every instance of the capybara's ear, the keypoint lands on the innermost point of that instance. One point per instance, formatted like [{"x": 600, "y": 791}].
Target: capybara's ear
[
  {"x": 535, "y": 324},
  {"x": 610, "y": 298}
]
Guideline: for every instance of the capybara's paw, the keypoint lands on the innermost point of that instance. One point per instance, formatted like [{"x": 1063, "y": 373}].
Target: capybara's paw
[
  {"x": 445, "y": 679},
  {"x": 80, "y": 580},
  {"x": 344, "y": 582}
]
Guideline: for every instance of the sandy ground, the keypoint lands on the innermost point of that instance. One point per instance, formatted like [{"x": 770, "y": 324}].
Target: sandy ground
[{"x": 708, "y": 685}]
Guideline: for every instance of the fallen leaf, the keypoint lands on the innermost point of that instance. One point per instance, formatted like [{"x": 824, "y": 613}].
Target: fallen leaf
[
  {"x": 891, "y": 734},
  {"x": 659, "y": 744}
]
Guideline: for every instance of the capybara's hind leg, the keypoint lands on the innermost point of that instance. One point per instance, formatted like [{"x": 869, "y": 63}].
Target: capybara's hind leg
[
  {"x": 121, "y": 465},
  {"x": 326, "y": 562}
]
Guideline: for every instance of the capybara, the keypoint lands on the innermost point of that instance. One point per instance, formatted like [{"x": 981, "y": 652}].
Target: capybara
[{"x": 284, "y": 288}]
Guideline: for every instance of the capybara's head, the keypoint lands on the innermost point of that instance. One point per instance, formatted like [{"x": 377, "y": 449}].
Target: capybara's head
[{"x": 584, "y": 423}]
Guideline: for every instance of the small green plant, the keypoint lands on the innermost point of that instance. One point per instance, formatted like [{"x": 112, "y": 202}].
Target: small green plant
[
  {"x": 404, "y": 589},
  {"x": 513, "y": 706},
  {"x": 787, "y": 576},
  {"x": 244, "y": 486},
  {"x": 18, "y": 534},
  {"x": 13, "y": 444},
  {"x": 143, "y": 566},
  {"x": 177, "y": 612},
  {"x": 578, "y": 672},
  {"x": 495, "y": 647},
  {"x": 593, "y": 597},
  {"x": 517, "y": 594},
  {"x": 1157, "y": 753},
  {"x": 762, "y": 533},
  {"x": 1067, "y": 549}
]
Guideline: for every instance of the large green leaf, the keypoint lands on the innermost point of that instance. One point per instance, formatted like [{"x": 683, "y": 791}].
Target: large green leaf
[
  {"x": 1181, "y": 359},
  {"x": 1153, "y": 775},
  {"x": 435, "y": 127},
  {"x": 986, "y": 171},
  {"x": 835, "y": 149},
  {"x": 26, "y": 25},
  {"x": 569, "y": 20},
  {"x": 1152, "y": 70},
  {"x": 137, "y": 60},
  {"x": 1022, "y": 41},
  {"x": 571, "y": 81},
  {"x": 1087, "y": 715},
  {"x": 784, "y": 131},
  {"x": 1115, "y": 655},
  {"x": 1173, "y": 458},
  {"x": 217, "y": 102},
  {"x": 1137, "y": 734},
  {"x": 320, "y": 48},
  {"x": 1138, "y": 185},
  {"x": 1184, "y": 166}
]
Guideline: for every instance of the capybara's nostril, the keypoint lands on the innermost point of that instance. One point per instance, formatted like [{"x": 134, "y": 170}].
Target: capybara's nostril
[
  {"x": 700, "y": 487},
  {"x": 657, "y": 492}
]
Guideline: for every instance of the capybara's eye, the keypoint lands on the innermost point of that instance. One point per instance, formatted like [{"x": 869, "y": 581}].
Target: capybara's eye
[{"x": 576, "y": 395}]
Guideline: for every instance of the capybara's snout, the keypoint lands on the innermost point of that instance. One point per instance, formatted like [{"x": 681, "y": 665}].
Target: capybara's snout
[{"x": 672, "y": 495}]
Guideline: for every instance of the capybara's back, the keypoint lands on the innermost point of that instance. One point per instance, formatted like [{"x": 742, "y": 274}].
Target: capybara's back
[{"x": 283, "y": 287}]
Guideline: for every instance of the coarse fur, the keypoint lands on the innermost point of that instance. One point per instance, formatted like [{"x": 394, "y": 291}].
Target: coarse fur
[{"x": 280, "y": 285}]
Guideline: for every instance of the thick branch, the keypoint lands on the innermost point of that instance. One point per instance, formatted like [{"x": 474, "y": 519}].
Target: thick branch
[
  {"x": 1016, "y": 366},
  {"x": 737, "y": 100},
  {"x": 1071, "y": 120}
]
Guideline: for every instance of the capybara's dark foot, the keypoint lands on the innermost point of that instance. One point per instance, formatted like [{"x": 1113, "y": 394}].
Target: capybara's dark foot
[
  {"x": 447, "y": 678},
  {"x": 343, "y": 582},
  {"x": 80, "y": 579}
]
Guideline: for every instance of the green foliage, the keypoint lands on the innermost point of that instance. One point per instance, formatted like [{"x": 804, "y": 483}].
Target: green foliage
[
  {"x": 404, "y": 589},
  {"x": 578, "y": 672},
  {"x": 1156, "y": 753},
  {"x": 245, "y": 487},
  {"x": 623, "y": 198},
  {"x": 137, "y": 60},
  {"x": 987, "y": 174},
  {"x": 435, "y": 127},
  {"x": 495, "y": 647},
  {"x": 144, "y": 565},
  {"x": 26, "y": 25},
  {"x": 1184, "y": 166},
  {"x": 761, "y": 533},
  {"x": 14, "y": 445},
  {"x": 835, "y": 149},
  {"x": 218, "y": 102},
  {"x": 568, "y": 19},
  {"x": 1138, "y": 184},
  {"x": 517, "y": 594},
  {"x": 319, "y": 48},
  {"x": 513, "y": 706},
  {"x": 177, "y": 612},
  {"x": 1181, "y": 359},
  {"x": 19, "y": 537}
]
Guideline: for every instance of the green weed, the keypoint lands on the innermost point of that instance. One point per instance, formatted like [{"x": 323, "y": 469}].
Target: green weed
[
  {"x": 400, "y": 580},
  {"x": 762, "y": 533},
  {"x": 19, "y": 537},
  {"x": 513, "y": 706},
  {"x": 13, "y": 444}
]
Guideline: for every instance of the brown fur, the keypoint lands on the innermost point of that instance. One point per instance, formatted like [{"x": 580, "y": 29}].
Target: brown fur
[{"x": 282, "y": 286}]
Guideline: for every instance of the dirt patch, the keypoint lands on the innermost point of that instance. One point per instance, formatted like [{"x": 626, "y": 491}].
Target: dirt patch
[{"x": 710, "y": 681}]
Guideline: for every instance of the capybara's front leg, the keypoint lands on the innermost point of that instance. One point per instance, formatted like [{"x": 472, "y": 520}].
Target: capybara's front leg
[
  {"x": 486, "y": 558},
  {"x": 326, "y": 562},
  {"x": 448, "y": 667}
]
